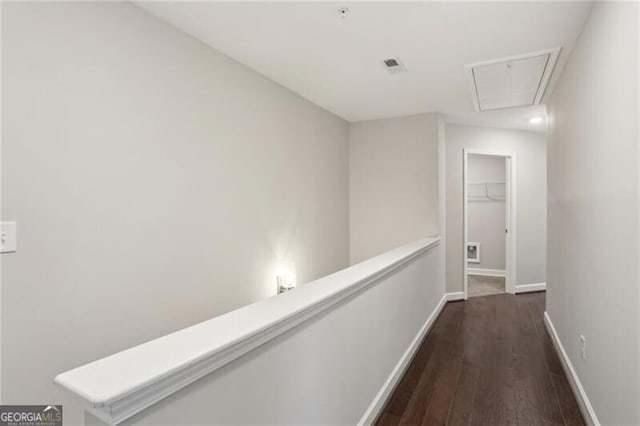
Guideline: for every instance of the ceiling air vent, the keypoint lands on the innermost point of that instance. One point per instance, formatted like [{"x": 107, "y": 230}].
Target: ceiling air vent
[
  {"x": 511, "y": 82},
  {"x": 393, "y": 65}
]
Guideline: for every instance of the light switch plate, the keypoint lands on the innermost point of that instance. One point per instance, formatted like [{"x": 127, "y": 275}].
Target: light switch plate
[{"x": 8, "y": 237}]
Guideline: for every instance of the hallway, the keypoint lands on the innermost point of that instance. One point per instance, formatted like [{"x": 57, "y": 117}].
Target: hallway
[
  {"x": 490, "y": 361},
  {"x": 320, "y": 213}
]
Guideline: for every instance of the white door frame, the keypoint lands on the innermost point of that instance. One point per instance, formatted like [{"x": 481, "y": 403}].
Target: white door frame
[{"x": 510, "y": 204}]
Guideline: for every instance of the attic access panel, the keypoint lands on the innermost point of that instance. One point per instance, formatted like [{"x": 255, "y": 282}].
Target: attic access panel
[{"x": 511, "y": 82}]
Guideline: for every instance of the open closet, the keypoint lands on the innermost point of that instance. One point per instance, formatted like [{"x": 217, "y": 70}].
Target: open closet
[{"x": 486, "y": 222}]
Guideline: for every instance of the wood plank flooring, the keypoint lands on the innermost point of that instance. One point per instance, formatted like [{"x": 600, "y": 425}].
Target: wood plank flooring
[{"x": 486, "y": 361}]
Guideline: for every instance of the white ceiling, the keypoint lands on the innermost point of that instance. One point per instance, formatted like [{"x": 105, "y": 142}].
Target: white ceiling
[
  {"x": 509, "y": 118},
  {"x": 336, "y": 63}
]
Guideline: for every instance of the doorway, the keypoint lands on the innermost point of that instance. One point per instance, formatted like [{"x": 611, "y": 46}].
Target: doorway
[{"x": 489, "y": 212}]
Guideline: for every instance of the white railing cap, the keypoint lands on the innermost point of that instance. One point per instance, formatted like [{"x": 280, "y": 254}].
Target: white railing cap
[{"x": 120, "y": 385}]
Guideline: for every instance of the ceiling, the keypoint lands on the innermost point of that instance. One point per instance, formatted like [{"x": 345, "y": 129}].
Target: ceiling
[{"x": 336, "y": 62}]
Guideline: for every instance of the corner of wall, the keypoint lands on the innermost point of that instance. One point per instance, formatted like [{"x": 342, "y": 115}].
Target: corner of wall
[{"x": 442, "y": 200}]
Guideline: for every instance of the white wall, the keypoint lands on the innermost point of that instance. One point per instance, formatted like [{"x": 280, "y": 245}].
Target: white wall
[
  {"x": 487, "y": 218},
  {"x": 593, "y": 279},
  {"x": 530, "y": 150},
  {"x": 154, "y": 182},
  {"x": 393, "y": 165}
]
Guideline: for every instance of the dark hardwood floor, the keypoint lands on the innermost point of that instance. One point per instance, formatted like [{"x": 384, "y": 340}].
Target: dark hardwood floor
[{"x": 486, "y": 361}]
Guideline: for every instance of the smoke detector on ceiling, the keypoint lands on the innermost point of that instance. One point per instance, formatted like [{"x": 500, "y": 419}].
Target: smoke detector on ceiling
[
  {"x": 394, "y": 65},
  {"x": 511, "y": 82}
]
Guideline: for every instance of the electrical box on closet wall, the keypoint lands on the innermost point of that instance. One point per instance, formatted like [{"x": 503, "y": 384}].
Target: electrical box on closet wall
[
  {"x": 8, "y": 237},
  {"x": 473, "y": 252}
]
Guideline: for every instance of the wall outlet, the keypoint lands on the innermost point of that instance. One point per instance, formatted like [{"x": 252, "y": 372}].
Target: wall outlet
[{"x": 583, "y": 347}]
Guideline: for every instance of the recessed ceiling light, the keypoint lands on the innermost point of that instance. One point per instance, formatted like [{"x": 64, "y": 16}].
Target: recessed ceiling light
[{"x": 535, "y": 120}]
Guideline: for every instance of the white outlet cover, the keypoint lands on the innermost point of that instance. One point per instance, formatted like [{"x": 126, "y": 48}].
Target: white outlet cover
[{"x": 8, "y": 237}]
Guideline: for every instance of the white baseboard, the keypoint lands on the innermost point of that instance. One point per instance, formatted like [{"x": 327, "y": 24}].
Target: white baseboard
[
  {"x": 375, "y": 409},
  {"x": 487, "y": 272},
  {"x": 527, "y": 288},
  {"x": 458, "y": 295},
  {"x": 581, "y": 396}
]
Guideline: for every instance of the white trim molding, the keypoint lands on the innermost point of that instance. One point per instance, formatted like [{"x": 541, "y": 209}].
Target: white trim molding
[
  {"x": 552, "y": 55},
  {"x": 452, "y": 297},
  {"x": 487, "y": 272},
  {"x": 576, "y": 386},
  {"x": 123, "y": 384},
  {"x": 528, "y": 288},
  {"x": 376, "y": 407}
]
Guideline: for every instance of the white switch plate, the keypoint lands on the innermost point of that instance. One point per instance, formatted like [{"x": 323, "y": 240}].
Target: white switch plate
[{"x": 8, "y": 237}]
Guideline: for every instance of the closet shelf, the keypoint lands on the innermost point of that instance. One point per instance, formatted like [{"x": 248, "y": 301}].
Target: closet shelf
[{"x": 486, "y": 191}]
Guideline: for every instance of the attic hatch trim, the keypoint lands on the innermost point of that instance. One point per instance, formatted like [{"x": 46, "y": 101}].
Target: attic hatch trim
[{"x": 552, "y": 59}]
